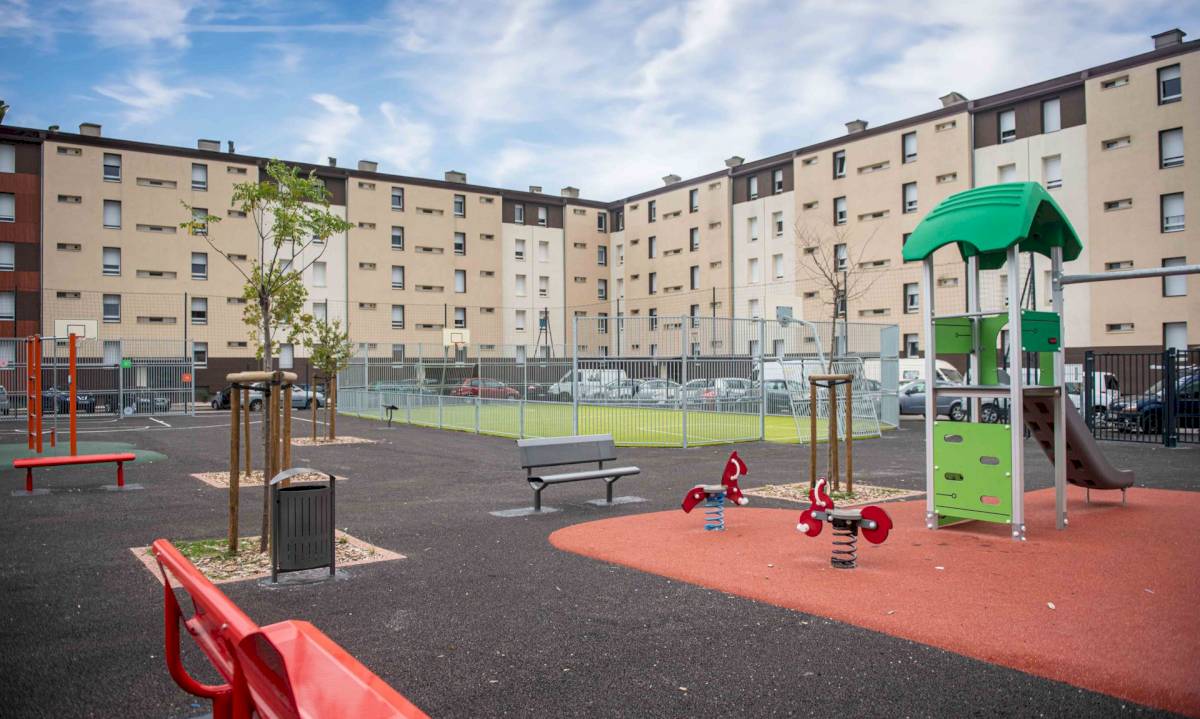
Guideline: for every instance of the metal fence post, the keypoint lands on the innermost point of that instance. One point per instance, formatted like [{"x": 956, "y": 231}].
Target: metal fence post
[
  {"x": 120, "y": 408},
  {"x": 574, "y": 375},
  {"x": 524, "y": 395},
  {"x": 1170, "y": 400},
  {"x": 762, "y": 379},
  {"x": 683, "y": 374},
  {"x": 1089, "y": 383}
]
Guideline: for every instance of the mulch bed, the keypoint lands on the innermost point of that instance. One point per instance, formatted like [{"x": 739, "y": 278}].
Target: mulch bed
[
  {"x": 863, "y": 493},
  {"x": 255, "y": 479},
  {"x": 321, "y": 441}
]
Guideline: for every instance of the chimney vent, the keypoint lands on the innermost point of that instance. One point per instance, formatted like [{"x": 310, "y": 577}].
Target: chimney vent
[
  {"x": 332, "y": 161},
  {"x": 734, "y": 161},
  {"x": 229, "y": 146},
  {"x": 952, "y": 98},
  {"x": 570, "y": 191},
  {"x": 855, "y": 126},
  {"x": 89, "y": 128},
  {"x": 368, "y": 166},
  {"x": 1174, "y": 36},
  {"x": 536, "y": 189},
  {"x": 671, "y": 179},
  {"x": 210, "y": 145},
  {"x": 53, "y": 128},
  {"x": 455, "y": 176}
]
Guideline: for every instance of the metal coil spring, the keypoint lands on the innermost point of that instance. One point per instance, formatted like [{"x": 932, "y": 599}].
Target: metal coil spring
[
  {"x": 845, "y": 545},
  {"x": 714, "y": 512}
]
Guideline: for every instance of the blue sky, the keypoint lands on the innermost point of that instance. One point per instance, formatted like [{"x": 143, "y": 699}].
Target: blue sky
[{"x": 608, "y": 96}]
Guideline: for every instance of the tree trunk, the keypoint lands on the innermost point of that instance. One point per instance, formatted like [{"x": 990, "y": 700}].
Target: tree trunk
[
  {"x": 333, "y": 410},
  {"x": 312, "y": 389},
  {"x": 264, "y": 304}
]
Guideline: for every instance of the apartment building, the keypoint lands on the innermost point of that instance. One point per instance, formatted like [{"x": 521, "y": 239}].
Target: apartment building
[{"x": 516, "y": 267}]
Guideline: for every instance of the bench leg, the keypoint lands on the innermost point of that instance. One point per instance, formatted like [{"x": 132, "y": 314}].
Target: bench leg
[
  {"x": 29, "y": 479},
  {"x": 608, "y": 485},
  {"x": 537, "y": 499},
  {"x": 120, "y": 474}
]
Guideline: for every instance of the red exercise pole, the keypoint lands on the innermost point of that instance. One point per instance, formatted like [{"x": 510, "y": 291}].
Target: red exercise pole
[
  {"x": 37, "y": 390},
  {"x": 71, "y": 376}
]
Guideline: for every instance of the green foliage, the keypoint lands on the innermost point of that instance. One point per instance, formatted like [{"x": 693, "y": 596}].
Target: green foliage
[
  {"x": 329, "y": 347},
  {"x": 291, "y": 215}
]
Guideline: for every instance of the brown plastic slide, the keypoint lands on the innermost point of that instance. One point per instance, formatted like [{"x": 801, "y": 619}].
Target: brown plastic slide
[{"x": 1086, "y": 464}]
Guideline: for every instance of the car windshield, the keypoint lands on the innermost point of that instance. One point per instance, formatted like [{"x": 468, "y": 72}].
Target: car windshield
[{"x": 952, "y": 375}]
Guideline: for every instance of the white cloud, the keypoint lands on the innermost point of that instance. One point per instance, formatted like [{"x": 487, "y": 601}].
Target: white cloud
[
  {"x": 140, "y": 22},
  {"x": 329, "y": 131},
  {"x": 145, "y": 97},
  {"x": 404, "y": 146}
]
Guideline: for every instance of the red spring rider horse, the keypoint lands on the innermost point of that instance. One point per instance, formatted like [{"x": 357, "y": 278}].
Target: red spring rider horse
[
  {"x": 713, "y": 495},
  {"x": 873, "y": 521}
]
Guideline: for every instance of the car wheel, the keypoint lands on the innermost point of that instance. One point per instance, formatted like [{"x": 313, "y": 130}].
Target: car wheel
[
  {"x": 989, "y": 414},
  {"x": 957, "y": 413},
  {"x": 1150, "y": 423},
  {"x": 308, "y": 404},
  {"x": 255, "y": 405}
]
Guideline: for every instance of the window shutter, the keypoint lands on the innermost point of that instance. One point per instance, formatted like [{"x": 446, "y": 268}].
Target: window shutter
[
  {"x": 8, "y": 305},
  {"x": 8, "y": 158},
  {"x": 8, "y": 255},
  {"x": 112, "y": 214},
  {"x": 1172, "y": 144}
]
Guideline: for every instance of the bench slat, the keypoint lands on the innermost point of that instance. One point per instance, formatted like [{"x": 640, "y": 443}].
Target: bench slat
[
  {"x": 25, "y": 462},
  {"x": 588, "y": 474},
  {"x": 553, "y": 451}
]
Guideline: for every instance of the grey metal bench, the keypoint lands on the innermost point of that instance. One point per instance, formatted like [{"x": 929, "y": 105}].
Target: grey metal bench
[{"x": 558, "y": 451}]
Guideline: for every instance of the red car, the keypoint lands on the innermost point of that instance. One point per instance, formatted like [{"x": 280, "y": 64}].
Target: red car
[{"x": 486, "y": 388}]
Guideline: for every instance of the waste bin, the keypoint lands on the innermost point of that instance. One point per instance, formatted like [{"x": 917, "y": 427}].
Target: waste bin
[{"x": 302, "y": 523}]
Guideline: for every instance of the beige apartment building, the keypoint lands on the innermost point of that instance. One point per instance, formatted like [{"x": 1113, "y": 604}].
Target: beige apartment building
[{"x": 517, "y": 267}]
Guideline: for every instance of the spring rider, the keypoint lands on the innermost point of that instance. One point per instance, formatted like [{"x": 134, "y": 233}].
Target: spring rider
[
  {"x": 873, "y": 521},
  {"x": 714, "y": 495}
]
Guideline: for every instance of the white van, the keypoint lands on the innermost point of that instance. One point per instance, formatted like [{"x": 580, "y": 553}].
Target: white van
[
  {"x": 592, "y": 382},
  {"x": 912, "y": 369}
]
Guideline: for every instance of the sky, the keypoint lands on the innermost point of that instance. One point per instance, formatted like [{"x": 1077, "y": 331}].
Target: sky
[{"x": 607, "y": 96}]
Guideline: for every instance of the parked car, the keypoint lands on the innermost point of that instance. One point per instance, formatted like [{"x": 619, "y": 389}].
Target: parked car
[
  {"x": 912, "y": 401},
  {"x": 623, "y": 389},
  {"x": 221, "y": 400},
  {"x": 658, "y": 390},
  {"x": 729, "y": 389},
  {"x": 1145, "y": 412},
  {"x": 59, "y": 400},
  {"x": 302, "y": 397},
  {"x": 780, "y": 393},
  {"x": 147, "y": 403},
  {"x": 693, "y": 390},
  {"x": 591, "y": 383},
  {"x": 485, "y": 388}
]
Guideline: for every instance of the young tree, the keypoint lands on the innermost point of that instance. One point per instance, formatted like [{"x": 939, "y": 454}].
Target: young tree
[
  {"x": 329, "y": 350},
  {"x": 292, "y": 221},
  {"x": 829, "y": 264}
]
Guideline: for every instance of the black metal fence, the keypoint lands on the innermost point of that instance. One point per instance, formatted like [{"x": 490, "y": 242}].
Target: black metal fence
[{"x": 1151, "y": 397}]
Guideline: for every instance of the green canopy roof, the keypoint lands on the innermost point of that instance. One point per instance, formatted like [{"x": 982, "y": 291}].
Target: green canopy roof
[{"x": 986, "y": 221}]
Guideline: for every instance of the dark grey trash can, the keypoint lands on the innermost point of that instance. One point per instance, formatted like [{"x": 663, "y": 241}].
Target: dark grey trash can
[{"x": 302, "y": 523}]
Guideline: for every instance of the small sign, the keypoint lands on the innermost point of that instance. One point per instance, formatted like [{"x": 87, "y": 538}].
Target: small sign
[
  {"x": 126, "y": 363},
  {"x": 187, "y": 377},
  {"x": 3, "y": 363}
]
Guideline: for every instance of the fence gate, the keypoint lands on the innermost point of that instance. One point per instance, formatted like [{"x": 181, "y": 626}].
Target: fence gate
[{"x": 1150, "y": 397}]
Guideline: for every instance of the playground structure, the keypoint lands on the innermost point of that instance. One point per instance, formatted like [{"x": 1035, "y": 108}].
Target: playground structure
[
  {"x": 830, "y": 383},
  {"x": 35, "y": 401},
  {"x": 714, "y": 495},
  {"x": 277, "y": 405},
  {"x": 872, "y": 521},
  {"x": 973, "y": 470}
]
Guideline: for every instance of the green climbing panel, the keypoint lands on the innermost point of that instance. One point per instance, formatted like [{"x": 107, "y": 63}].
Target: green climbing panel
[
  {"x": 972, "y": 475},
  {"x": 1040, "y": 331},
  {"x": 952, "y": 335}
]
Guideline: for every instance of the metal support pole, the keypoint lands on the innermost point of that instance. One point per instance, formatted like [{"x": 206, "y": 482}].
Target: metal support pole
[
  {"x": 574, "y": 376},
  {"x": 37, "y": 390},
  {"x": 524, "y": 394},
  {"x": 834, "y": 477},
  {"x": 683, "y": 380},
  {"x": 850, "y": 436},
  {"x": 72, "y": 376},
  {"x": 1016, "y": 410},
  {"x": 1061, "y": 402},
  {"x": 235, "y": 409},
  {"x": 29, "y": 400},
  {"x": 812, "y": 433},
  {"x": 973, "y": 302},
  {"x": 762, "y": 380},
  {"x": 927, "y": 309}
]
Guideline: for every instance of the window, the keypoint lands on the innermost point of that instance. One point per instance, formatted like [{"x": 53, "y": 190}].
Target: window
[
  {"x": 320, "y": 311},
  {"x": 602, "y": 221},
  {"x": 398, "y": 317},
  {"x": 602, "y": 323},
  {"x": 543, "y": 251},
  {"x": 8, "y": 207},
  {"x": 542, "y": 216},
  {"x": 755, "y": 308},
  {"x": 694, "y": 313},
  {"x": 460, "y": 281},
  {"x": 693, "y": 239},
  {"x": 397, "y": 198},
  {"x": 620, "y": 254},
  {"x": 752, "y": 231},
  {"x": 777, "y": 223},
  {"x": 112, "y": 308},
  {"x": 1007, "y": 124},
  {"x": 199, "y": 310},
  {"x": 652, "y": 247},
  {"x": 752, "y": 186},
  {"x": 200, "y": 267},
  {"x": 520, "y": 285},
  {"x": 602, "y": 289},
  {"x": 520, "y": 320},
  {"x": 777, "y": 182},
  {"x": 1175, "y": 338},
  {"x": 8, "y": 305},
  {"x": 200, "y": 354},
  {"x": 1051, "y": 115},
  {"x": 912, "y": 298},
  {"x": 904, "y": 239},
  {"x": 519, "y": 250},
  {"x": 8, "y": 256},
  {"x": 1172, "y": 212},
  {"x": 777, "y": 266},
  {"x": 460, "y": 205},
  {"x": 652, "y": 283},
  {"x": 653, "y": 313},
  {"x": 1170, "y": 87},
  {"x": 1116, "y": 82},
  {"x": 8, "y": 158},
  {"x": 912, "y": 347},
  {"x": 839, "y": 164},
  {"x": 397, "y": 277},
  {"x": 519, "y": 214},
  {"x": 620, "y": 220},
  {"x": 1006, "y": 173},
  {"x": 112, "y": 214},
  {"x": 112, "y": 167},
  {"x": 652, "y": 210},
  {"x": 199, "y": 177},
  {"x": 620, "y": 287},
  {"x": 1174, "y": 285},
  {"x": 1052, "y": 171},
  {"x": 841, "y": 257},
  {"x": 397, "y": 237},
  {"x": 543, "y": 286},
  {"x": 1170, "y": 148},
  {"x": 910, "y": 197},
  {"x": 694, "y": 200},
  {"x": 460, "y": 317},
  {"x": 198, "y": 215},
  {"x": 112, "y": 261},
  {"x": 839, "y": 210},
  {"x": 460, "y": 243},
  {"x": 752, "y": 270},
  {"x": 908, "y": 146},
  {"x": 694, "y": 277},
  {"x": 602, "y": 255},
  {"x": 1116, "y": 143}
]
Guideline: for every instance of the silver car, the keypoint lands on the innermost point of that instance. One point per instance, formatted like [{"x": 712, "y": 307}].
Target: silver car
[
  {"x": 912, "y": 401},
  {"x": 658, "y": 390}
]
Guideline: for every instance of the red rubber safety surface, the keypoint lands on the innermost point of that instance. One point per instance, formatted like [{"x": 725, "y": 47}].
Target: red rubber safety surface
[{"x": 1124, "y": 582}]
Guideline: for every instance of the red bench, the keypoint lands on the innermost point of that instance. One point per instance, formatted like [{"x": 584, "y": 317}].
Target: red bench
[
  {"x": 285, "y": 670},
  {"x": 28, "y": 463}
]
